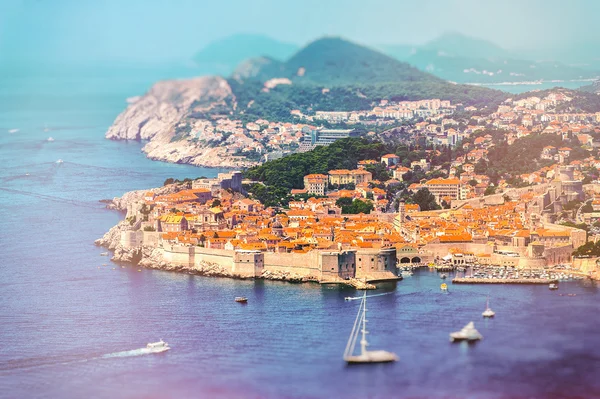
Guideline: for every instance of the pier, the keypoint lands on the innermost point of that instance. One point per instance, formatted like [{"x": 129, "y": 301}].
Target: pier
[{"x": 463, "y": 280}]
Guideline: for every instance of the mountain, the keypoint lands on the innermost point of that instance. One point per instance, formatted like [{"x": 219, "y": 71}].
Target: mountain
[
  {"x": 592, "y": 88},
  {"x": 225, "y": 54},
  {"x": 460, "y": 58},
  {"x": 459, "y": 45},
  {"x": 335, "y": 74}
]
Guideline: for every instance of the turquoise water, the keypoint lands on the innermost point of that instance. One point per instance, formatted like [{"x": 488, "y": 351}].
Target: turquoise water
[
  {"x": 72, "y": 328},
  {"x": 522, "y": 88}
]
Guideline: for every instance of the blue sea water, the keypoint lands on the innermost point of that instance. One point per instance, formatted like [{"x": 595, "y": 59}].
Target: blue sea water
[{"x": 69, "y": 327}]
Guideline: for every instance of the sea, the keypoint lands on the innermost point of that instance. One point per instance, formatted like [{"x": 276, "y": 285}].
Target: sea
[{"x": 72, "y": 322}]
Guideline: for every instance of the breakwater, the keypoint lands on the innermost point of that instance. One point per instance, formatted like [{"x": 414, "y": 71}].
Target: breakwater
[{"x": 503, "y": 281}]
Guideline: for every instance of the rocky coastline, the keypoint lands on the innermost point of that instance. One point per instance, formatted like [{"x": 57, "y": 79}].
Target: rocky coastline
[{"x": 173, "y": 117}]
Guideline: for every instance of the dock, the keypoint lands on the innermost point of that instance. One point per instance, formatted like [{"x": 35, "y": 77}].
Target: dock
[{"x": 463, "y": 280}]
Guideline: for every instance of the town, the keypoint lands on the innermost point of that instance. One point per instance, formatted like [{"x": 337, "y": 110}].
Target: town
[{"x": 347, "y": 226}]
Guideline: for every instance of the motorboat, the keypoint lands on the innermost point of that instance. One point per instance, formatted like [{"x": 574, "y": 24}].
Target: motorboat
[
  {"x": 443, "y": 276},
  {"x": 406, "y": 273},
  {"x": 157, "y": 347},
  {"x": 553, "y": 286},
  {"x": 104, "y": 254},
  {"x": 60, "y": 161},
  {"x": 444, "y": 287},
  {"x": 488, "y": 312},
  {"x": 468, "y": 333},
  {"x": 365, "y": 356},
  {"x": 50, "y": 138},
  {"x": 241, "y": 299}
]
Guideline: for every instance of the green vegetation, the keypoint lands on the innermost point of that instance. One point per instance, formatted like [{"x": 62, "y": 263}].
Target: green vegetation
[
  {"x": 588, "y": 249},
  {"x": 355, "y": 76},
  {"x": 355, "y": 206},
  {"x": 289, "y": 172},
  {"x": 523, "y": 156},
  {"x": 425, "y": 200}
]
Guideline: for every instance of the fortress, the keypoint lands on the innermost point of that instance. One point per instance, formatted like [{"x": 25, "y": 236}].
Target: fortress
[{"x": 324, "y": 266}]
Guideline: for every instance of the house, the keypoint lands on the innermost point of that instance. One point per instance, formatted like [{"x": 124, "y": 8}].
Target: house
[
  {"x": 315, "y": 184},
  {"x": 390, "y": 160}
]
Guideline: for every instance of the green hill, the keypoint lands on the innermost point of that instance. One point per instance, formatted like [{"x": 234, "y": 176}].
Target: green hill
[{"x": 355, "y": 78}]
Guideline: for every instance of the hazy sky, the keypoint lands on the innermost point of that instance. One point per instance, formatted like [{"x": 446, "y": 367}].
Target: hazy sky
[{"x": 150, "y": 30}]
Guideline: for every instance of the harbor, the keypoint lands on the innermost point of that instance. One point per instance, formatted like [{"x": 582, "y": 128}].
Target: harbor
[{"x": 467, "y": 280}]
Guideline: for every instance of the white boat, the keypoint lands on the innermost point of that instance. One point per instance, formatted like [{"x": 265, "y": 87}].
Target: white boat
[
  {"x": 13, "y": 131},
  {"x": 157, "y": 347},
  {"x": 553, "y": 286},
  {"x": 406, "y": 273},
  {"x": 443, "y": 276},
  {"x": 365, "y": 356},
  {"x": 468, "y": 333},
  {"x": 50, "y": 138},
  {"x": 488, "y": 312},
  {"x": 60, "y": 161},
  {"x": 104, "y": 254}
]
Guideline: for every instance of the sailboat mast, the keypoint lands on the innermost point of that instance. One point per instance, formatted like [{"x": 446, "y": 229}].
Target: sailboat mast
[{"x": 363, "y": 341}]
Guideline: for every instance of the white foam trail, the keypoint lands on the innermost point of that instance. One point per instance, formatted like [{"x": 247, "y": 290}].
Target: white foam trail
[{"x": 134, "y": 352}]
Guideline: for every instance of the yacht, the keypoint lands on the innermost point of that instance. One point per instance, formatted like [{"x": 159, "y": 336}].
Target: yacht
[
  {"x": 468, "y": 333},
  {"x": 488, "y": 312},
  {"x": 365, "y": 356},
  {"x": 157, "y": 347}
]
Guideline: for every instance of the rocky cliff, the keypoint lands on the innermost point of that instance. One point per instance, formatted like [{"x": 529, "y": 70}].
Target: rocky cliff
[{"x": 176, "y": 117}]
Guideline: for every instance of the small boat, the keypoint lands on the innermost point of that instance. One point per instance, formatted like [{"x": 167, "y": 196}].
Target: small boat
[
  {"x": 50, "y": 138},
  {"x": 104, "y": 254},
  {"x": 365, "y": 356},
  {"x": 157, "y": 347},
  {"x": 11, "y": 131},
  {"x": 60, "y": 161},
  {"x": 468, "y": 333},
  {"x": 26, "y": 174},
  {"x": 443, "y": 276},
  {"x": 241, "y": 299},
  {"x": 444, "y": 287},
  {"x": 488, "y": 312},
  {"x": 406, "y": 273},
  {"x": 553, "y": 286}
]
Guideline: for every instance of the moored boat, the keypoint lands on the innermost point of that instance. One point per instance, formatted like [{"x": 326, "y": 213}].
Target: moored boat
[
  {"x": 444, "y": 287},
  {"x": 241, "y": 299},
  {"x": 468, "y": 333},
  {"x": 553, "y": 286},
  {"x": 365, "y": 356},
  {"x": 488, "y": 312}
]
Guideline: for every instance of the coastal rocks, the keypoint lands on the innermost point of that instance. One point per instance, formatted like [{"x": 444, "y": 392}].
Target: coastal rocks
[
  {"x": 112, "y": 238},
  {"x": 286, "y": 276},
  {"x": 175, "y": 117}
]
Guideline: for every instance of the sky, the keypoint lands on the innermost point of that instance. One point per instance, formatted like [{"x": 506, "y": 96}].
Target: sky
[{"x": 151, "y": 31}]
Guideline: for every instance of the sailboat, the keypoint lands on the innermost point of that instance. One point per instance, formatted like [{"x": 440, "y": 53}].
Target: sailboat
[
  {"x": 365, "y": 356},
  {"x": 488, "y": 312}
]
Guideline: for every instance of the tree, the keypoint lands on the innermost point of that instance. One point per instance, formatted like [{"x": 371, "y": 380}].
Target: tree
[
  {"x": 170, "y": 180},
  {"x": 425, "y": 200},
  {"x": 490, "y": 190},
  {"x": 216, "y": 203}
]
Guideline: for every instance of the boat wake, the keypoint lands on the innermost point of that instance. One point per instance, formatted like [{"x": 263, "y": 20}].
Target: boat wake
[{"x": 131, "y": 353}]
